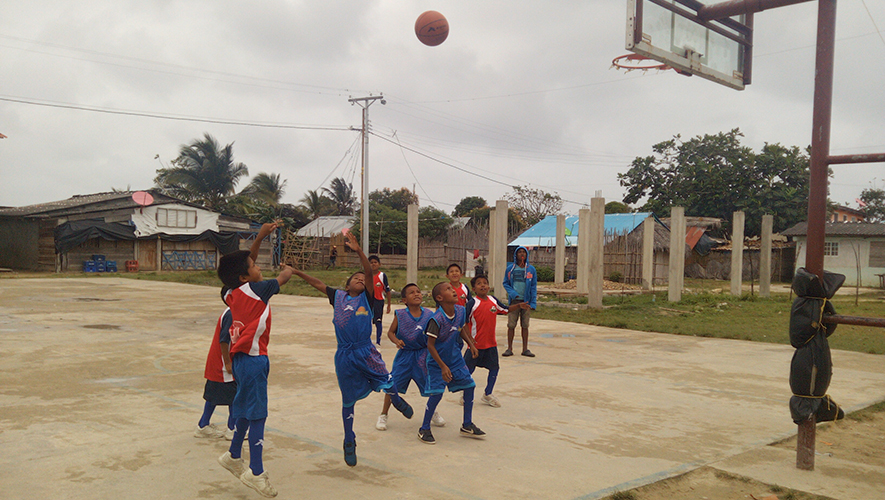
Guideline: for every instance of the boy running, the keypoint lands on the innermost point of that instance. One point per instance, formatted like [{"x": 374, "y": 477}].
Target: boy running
[
  {"x": 482, "y": 312},
  {"x": 248, "y": 294},
  {"x": 446, "y": 367},
  {"x": 410, "y": 363},
  {"x": 358, "y": 363}
]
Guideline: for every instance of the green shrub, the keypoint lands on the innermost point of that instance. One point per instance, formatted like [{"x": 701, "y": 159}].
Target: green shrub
[
  {"x": 546, "y": 274},
  {"x": 615, "y": 277}
]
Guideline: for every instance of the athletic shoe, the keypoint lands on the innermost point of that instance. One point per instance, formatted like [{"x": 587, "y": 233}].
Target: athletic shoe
[
  {"x": 508, "y": 352},
  {"x": 471, "y": 430},
  {"x": 228, "y": 433},
  {"x": 490, "y": 400},
  {"x": 528, "y": 353},
  {"x": 381, "y": 425},
  {"x": 426, "y": 436},
  {"x": 437, "y": 420},
  {"x": 403, "y": 407},
  {"x": 236, "y": 466},
  {"x": 350, "y": 453},
  {"x": 210, "y": 431},
  {"x": 259, "y": 483}
]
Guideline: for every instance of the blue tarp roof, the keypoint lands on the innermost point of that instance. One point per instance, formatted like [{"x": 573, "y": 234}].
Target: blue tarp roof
[{"x": 543, "y": 234}]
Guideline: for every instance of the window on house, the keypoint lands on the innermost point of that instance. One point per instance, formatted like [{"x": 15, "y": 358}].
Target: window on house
[
  {"x": 831, "y": 248},
  {"x": 877, "y": 254},
  {"x": 167, "y": 217}
]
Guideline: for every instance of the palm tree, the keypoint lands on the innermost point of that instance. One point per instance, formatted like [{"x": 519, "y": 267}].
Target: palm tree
[
  {"x": 316, "y": 203},
  {"x": 341, "y": 193},
  {"x": 203, "y": 173},
  {"x": 267, "y": 188}
]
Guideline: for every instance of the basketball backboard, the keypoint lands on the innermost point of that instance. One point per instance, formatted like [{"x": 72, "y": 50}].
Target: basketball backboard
[{"x": 670, "y": 31}]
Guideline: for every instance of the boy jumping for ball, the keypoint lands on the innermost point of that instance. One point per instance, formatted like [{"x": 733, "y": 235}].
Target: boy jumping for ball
[
  {"x": 358, "y": 363},
  {"x": 247, "y": 295},
  {"x": 446, "y": 367},
  {"x": 410, "y": 363}
]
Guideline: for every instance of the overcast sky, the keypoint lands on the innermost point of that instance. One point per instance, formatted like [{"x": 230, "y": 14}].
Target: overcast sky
[{"x": 521, "y": 93}]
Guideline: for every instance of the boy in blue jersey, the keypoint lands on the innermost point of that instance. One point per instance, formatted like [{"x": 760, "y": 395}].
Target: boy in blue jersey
[
  {"x": 358, "y": 363},
  {"x": 521, "y": 283},
  {"x": 410, "y": 363},
  {"x": 446, "y": 367}
]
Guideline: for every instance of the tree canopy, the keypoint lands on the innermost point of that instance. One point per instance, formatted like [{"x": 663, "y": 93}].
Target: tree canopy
[
  {"x": 532, "y": 204},
  {"x": 714, "y": 176},
  {"x": 874, "y": 204},
  {"x": 388, "y": 216},
  {"x": 468, "y": 205}
]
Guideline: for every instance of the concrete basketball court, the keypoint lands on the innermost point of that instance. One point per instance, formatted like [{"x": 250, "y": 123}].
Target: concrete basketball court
[{"x": 101, "y": 388}]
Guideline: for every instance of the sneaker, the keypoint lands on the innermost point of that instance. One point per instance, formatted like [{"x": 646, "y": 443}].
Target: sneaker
[
  {"x": 491, "y": 400},
  {"x": 403, "y": 407},
  {"x": 350, "y": 453},
  {"x": 471, "y": 430},
  {"x": 228, "y": 433},
  {"x": 236, "y": 466},
  {"x": 508, "y": 352},
  {"x": 528, "y": 353},
  {"x": 437, "y": 420},
  {"x": 259, "y": 483},
  {"x": 426, "y": 436},
  {"x": 381, "y": 425},
  {"x": 210, "y": 431}
]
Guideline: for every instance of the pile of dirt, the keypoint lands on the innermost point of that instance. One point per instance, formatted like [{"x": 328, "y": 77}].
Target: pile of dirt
[{"x": 606, "y": 285}]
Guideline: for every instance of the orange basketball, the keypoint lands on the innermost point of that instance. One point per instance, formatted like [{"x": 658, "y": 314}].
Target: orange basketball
[{"x": 432, "y": 28}]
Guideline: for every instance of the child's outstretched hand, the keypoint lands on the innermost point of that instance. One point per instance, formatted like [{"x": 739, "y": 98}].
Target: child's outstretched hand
[
  {"x": 266, "y": 229},
  {"x": 351, "y": 242}
]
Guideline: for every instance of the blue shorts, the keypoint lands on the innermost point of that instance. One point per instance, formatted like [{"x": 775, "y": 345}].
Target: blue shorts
[
  {"x": 461, "y": 378},
  {"x": 250, "y": 372},
  {"x": 360, "y": 371},
  {"x": 409, "y": 365}
]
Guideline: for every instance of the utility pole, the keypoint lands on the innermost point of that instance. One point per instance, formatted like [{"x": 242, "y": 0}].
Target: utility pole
[{"x": 365, "y": 102}]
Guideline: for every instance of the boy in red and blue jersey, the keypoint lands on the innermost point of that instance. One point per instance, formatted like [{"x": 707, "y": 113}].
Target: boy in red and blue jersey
[
  {"x": 445, "y": 367},
  {"x": 358, "y": 364},
  {"x": 381, "y": 289},
  {"x": 220, "y": 386},
  {"x": 453, "y": 273},
  {"x": 482, "y": 312},
  {"x": 247, "y": 294}
]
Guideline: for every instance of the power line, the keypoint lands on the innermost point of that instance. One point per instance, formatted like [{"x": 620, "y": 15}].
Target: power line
[{"x": 145, "y": 114}]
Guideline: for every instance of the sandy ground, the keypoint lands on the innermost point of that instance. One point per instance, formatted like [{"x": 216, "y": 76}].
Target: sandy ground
[{"x": 101, "y": 383}]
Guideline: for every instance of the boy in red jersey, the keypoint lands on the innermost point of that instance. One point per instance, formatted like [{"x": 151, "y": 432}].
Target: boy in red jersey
[
  {"x": 381, "y": 289},
  {"x": 453, "y": 273},
  {"x": 482, "y": 312},
  {"x": 248, "y": 294},
  {"x": 220, "y": 386}
]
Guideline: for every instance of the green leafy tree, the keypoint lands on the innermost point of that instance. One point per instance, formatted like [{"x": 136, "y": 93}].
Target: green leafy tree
[
  {"x": 616, "y": 207},
  {"x": 532, "y": 204},
  {"x": 714, "y": 176},
  {"x": 433, "y": 223},
  {"x": 202, "y": 173},
  {"x": 874, "y": 200},
  {"x": 468, "y": 205},
  {"x": 267, "y": 188},
  {"x": 397, "y": 200},
  {"x": 316, "y": 204},
  {"x": 342, "y": 195}
]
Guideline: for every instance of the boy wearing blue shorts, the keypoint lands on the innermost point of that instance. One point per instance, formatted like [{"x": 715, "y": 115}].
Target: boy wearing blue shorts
[
  {"x": 410, "y": 363},
  {"x": 358, "y": 363},
  {"x": 445, "y": 367},
  {"x": 247, "y": 295}
]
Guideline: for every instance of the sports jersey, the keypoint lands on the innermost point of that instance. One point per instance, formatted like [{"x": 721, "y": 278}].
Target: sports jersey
[
  {"x": 449, "y": 329},
  {"x": 481, "y": 314},
  {"x": 380, "y": 285},
  {"x": 250, "y": 314},
  {"x": 463, "y": 294},
  {"x": 411, "y": 329},
  {"x": 353, "y": 316},
  {"x": 214, "y": 361}
]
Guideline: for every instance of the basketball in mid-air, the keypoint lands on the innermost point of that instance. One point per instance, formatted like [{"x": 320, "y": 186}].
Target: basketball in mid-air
[{"x": 432, "y": 28}]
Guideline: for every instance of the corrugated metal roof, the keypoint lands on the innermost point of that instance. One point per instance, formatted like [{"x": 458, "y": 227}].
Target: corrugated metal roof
[
  {"x": 326, "y": 226},
  {"x": 840, "y": 229},
  {"x": 543, "y": 234},
  {"x": 86, "y": 203}
]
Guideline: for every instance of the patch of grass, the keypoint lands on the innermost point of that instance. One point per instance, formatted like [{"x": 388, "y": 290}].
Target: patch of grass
[
  {"x": 867, "y": 413},
  {"x": 623, "y": 495},
  {"x": 721, "y": 474}
]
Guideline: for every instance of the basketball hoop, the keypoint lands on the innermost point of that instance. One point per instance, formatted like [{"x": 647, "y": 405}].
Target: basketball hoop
[{"x": 630, "y": 62}]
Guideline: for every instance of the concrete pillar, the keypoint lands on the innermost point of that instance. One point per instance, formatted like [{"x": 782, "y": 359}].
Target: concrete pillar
[
  {"x": 765, "y": 257},
  {"x": 501, "y": 211},
  {"x": 737, "y": 252},
  {"x": 583, "y": 250},
  {"x": 492, "y": 264},
  {"x": 159, "y": 255},
  {"x": 648, "y": 253},
  {"x": 597, "y": 250},
  {"x": 412, "y": 245},
  {"x": 676, "y": 266},
  {"x": 559, "y": 263}
]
